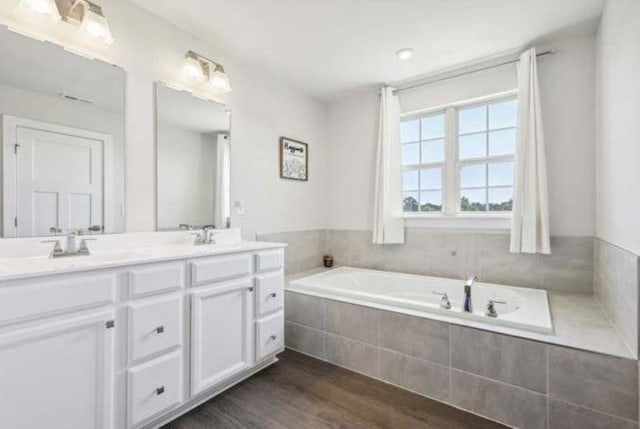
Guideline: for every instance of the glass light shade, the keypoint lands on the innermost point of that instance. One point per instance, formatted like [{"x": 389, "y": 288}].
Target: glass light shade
[
  {"x": 192, "y": 69},
  {"x": 95, "y": 26},
  {"x": 219, "y": 81},
  {"x": 44, "y": 8}
]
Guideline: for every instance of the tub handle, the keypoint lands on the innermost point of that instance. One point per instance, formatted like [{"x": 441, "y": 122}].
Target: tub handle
[
  {"x": 491, "y": 309},
  {"x": 444, "y": 301}
]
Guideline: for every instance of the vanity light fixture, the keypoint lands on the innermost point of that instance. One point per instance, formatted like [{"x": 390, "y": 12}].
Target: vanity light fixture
[
  {"x": 199, "y": 69},
  {"x": 41, "y": 8},
  {"x": 91, "y": 20},
  {"x": 404, "y": 54}
]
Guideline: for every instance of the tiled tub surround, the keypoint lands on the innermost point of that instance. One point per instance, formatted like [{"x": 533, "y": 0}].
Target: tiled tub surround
[
  {"x": 448, "y": 253},
  {"x": 519, "y": 382},
  {"x": 616, "y": 283},
  {"x": 578, "y": 320},
  {"x": 577, "y": 265}
]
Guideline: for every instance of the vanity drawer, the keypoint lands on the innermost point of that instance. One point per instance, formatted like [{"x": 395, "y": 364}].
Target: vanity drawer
[
  {"x": 269, "y": 335},
  {"x": 269, "y": 261},
  {"x": 216, "y": 269},
  {"x": 270, "y": 288},
  {"x": 156, "y": 279},
  {"x": 154, "y": 387},
  {"x": 154, "y": 326},
  {"x": 44, "y": 297}
]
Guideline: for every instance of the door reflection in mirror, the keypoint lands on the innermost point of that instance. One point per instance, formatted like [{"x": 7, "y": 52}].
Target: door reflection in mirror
[{"x": 63, "y": 141}]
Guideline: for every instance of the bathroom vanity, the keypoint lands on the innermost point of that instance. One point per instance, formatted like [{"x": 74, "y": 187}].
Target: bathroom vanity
[{"x": 129, "y": 339}]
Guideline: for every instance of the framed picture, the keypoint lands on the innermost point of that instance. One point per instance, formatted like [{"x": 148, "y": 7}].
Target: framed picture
[{"x": 294, "y": 159}]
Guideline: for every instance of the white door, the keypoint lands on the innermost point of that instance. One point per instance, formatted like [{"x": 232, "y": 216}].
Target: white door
[
  {"x": 59, "y": 182},
  {"x": 58, "y": 375},
  {"x": 221, "y": 333}
]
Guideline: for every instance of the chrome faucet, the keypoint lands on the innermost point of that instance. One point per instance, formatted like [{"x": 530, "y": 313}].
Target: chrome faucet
[
  {"x": 206, "y": 236},
  {"x": 468, "y": 307},
  {"x": 71, "y": 247}
]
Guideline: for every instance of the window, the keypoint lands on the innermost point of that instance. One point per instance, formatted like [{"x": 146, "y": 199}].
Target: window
[
  {"x": 423, "y": 157},
  {"x": 460, "y": 159}
]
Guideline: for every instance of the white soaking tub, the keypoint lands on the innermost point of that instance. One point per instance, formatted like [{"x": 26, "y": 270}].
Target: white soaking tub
[{"x": 525, "y": 309}]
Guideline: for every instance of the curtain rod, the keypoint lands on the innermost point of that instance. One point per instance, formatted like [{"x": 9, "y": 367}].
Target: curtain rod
[{"x": 551, "y": 51}]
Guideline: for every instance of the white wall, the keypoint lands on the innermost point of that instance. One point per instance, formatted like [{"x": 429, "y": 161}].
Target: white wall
[
  {"x": 186, "y": 177},
  {"x": 263, "y": 107},
  {"x": 618, "y": 166},
  {"x": 567, "y": 91}
]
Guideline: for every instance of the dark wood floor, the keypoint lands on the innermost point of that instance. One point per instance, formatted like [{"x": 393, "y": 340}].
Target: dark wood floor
[{"x": 301, "y": 392}]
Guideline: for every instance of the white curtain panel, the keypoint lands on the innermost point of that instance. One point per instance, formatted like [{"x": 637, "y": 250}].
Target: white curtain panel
[
  {"x": 388, "y": 222},
  {"x": 530, "y": 218},
  {"x": 223, "y": 178}
]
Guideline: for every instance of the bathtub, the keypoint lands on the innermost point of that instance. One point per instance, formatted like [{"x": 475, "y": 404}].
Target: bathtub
[{"x": 524, "y": 308}]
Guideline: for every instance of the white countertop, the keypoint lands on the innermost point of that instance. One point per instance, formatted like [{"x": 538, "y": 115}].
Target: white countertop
[{"x": 26, "y": 267}]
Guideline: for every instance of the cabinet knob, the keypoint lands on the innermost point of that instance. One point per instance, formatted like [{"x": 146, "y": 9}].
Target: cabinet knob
[
  {"x": 160, "y": 329},
  {"x": 250, "y": 289},
  {"x": 273, "y": 295},
  {"x": 274, "y": 337},
  {"x": 160, "y": 390}
]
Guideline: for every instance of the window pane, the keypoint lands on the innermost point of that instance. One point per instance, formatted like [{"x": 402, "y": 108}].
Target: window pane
[
  {"x": 409, "y": 131},
  {"x": 431, "y": 178},
  {"x": 501, "y": 174},
  {"x": 473, "y": 146},
  {"x": 473, "y": 200},
  {"x": 502, "y": 142},
  {"x": 500, "y": 199},
  {"x": 502, "y": 115},
  {"x": 410, "y": 180},
  {"x": 472, "y": 176},
  {"x": 410, "y": 153},
  {"x": 431, "y": 201},
  {"x": 472, "y": 119},
  {"x": 410, "y": 202},
  {"x": 433, "y": 151},
  {"x": 433, "y": 127}
]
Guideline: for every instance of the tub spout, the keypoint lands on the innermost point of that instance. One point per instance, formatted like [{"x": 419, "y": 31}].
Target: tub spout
[{"x": 468, "y": 307}]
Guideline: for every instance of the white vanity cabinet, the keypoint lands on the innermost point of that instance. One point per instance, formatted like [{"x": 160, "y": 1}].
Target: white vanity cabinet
[
  {"x": 134, "y": 345},
  {"x": 221, "y": 333},
  {"x": 59, "y": 374}
]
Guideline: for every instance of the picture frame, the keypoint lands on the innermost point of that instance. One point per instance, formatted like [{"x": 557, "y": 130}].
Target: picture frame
[{"x": 294, "y": 159}]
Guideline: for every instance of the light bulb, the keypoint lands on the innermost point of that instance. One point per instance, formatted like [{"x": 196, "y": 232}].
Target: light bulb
[
  {"x": 404, "y": 54},
  {"x": 219, "y": 81},
  {"x": 41, "y": 7},
  {"x": 192, "y": 69},
  {"x": 95, "y": 25}
]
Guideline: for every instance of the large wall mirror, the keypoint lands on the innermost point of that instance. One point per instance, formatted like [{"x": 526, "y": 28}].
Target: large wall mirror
[
  {"x": 193, "y": 161},
  {"x": 63, "y": 140}
]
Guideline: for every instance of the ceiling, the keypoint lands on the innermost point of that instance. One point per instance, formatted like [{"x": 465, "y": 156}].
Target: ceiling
[{"x": 326, "y": 47}]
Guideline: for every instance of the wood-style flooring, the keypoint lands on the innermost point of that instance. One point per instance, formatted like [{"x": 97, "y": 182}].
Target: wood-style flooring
[{"x": 301, "y": 392}]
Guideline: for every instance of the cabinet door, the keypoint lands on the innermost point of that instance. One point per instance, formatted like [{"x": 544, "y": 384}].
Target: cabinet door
[
  {"x": 58, "y": 374},
  {"x": 221, "y": 333}
]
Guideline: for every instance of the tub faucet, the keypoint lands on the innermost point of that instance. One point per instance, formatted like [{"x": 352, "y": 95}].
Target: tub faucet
[{"x": 468, "y": 307}]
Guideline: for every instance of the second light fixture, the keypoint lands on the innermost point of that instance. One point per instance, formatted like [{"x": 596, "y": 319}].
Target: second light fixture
[{"x": 200, "y": 70}]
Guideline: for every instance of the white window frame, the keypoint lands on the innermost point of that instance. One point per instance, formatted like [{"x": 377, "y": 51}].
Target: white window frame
[{"x": 451, "y": 214}]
